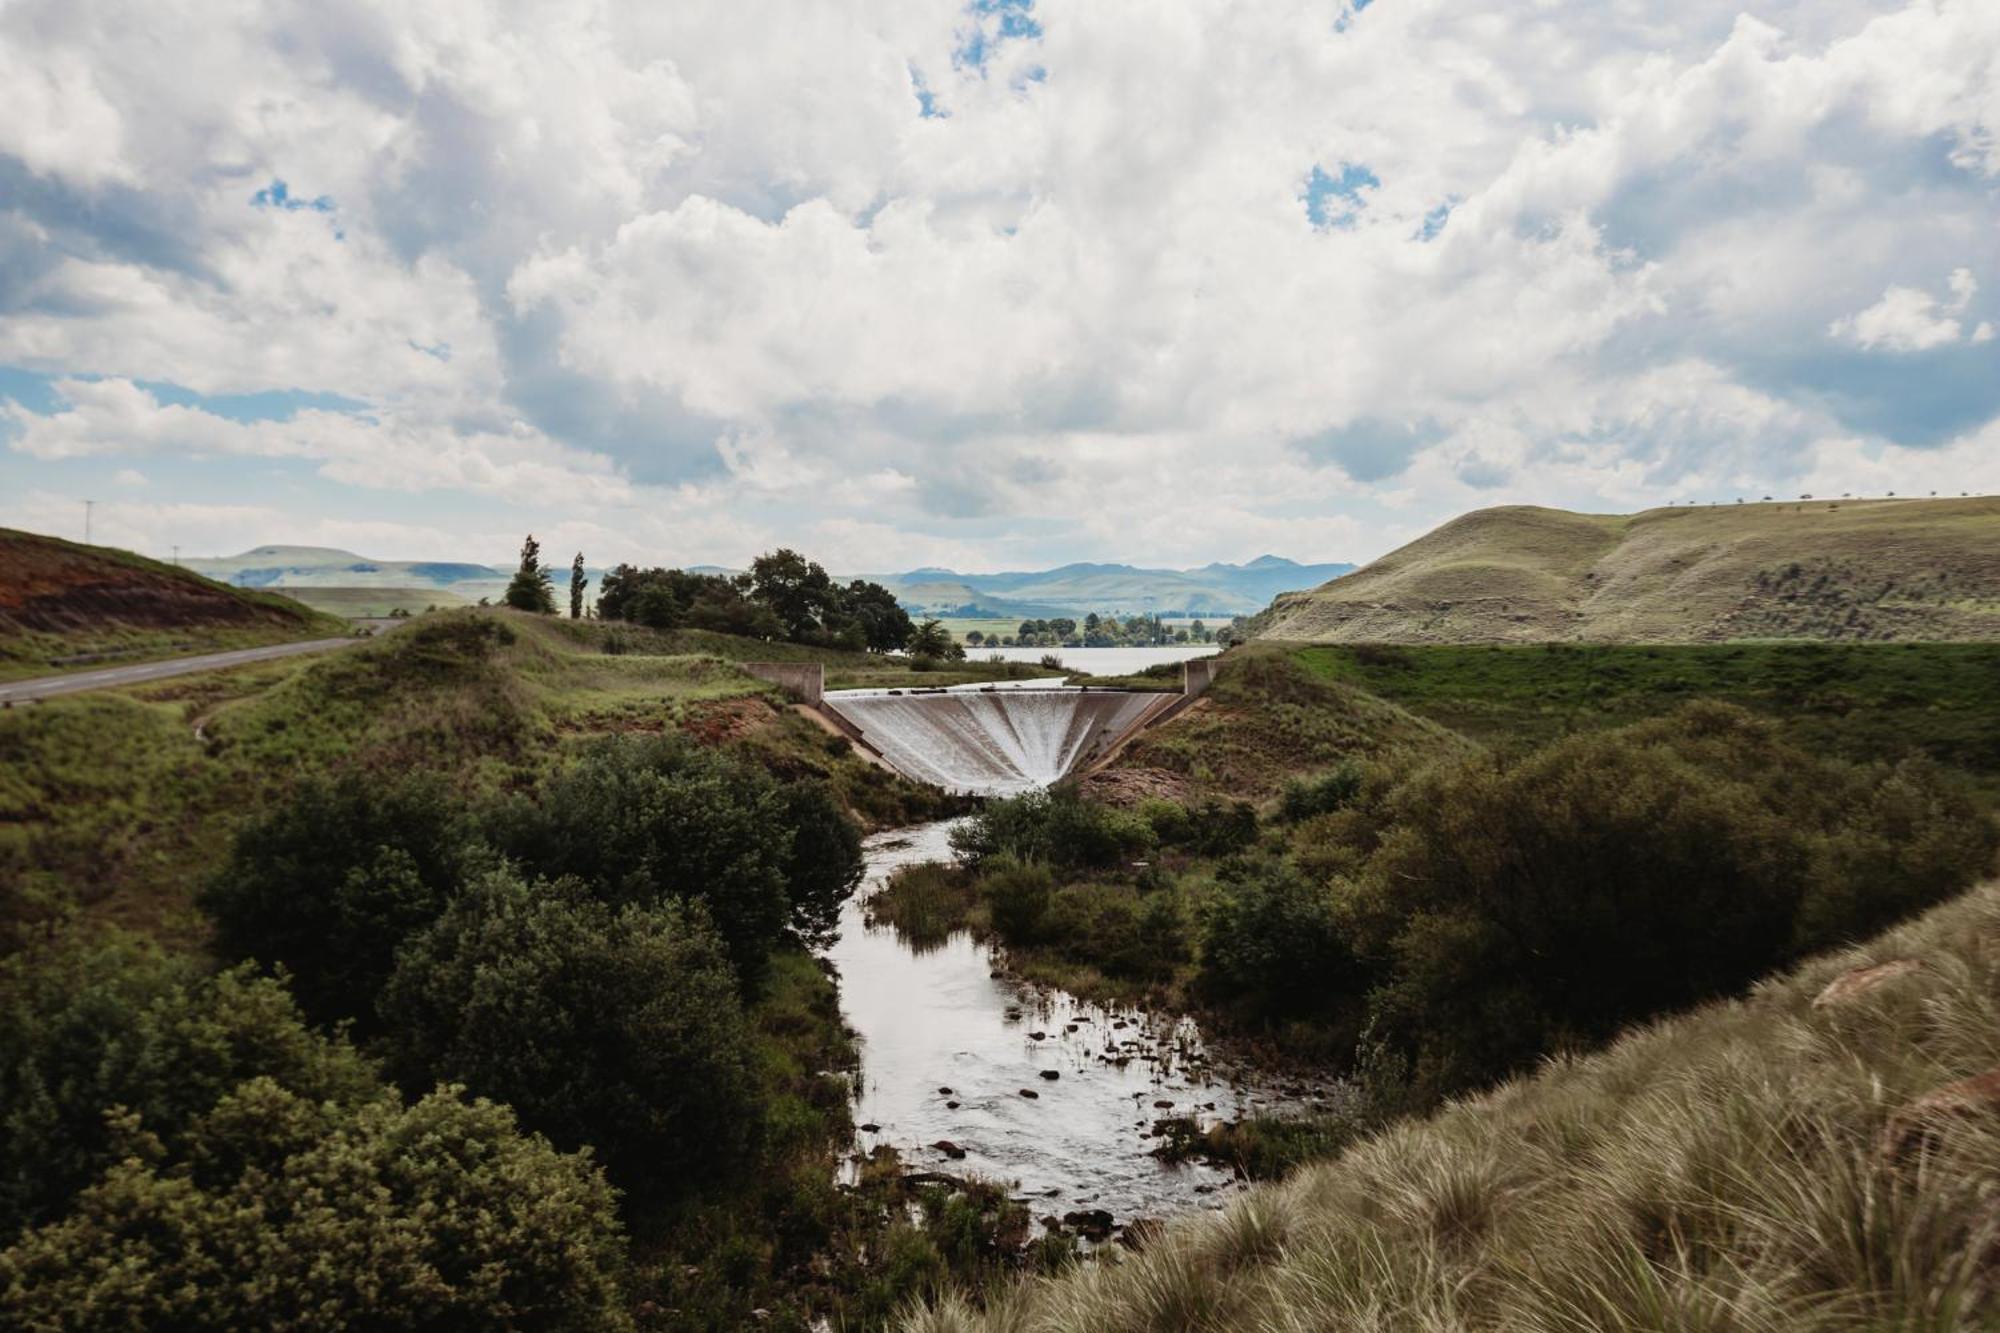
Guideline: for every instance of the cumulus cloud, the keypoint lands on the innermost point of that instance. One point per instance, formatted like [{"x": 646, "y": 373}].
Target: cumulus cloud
[
  {"x": 1908, "y": 319},
  {"x": 985, "y": 285}
]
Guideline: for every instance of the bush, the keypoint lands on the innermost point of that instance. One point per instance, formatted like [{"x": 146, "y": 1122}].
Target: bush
[
  {"x": 90, "y": 1024},
  {"x": 642, "y": 821},
  {"x": 1018, "y": 897},
  {"x": 1055, "y": 827},
  {"x": 1520, "y": 908},
  {"x": 823, "y": 865},
  {"x": 332, "y": 881},
  {"x": 1274, "y": 945},
  {"x": 613, "y": 1027},
  {"x": 290, "y": 1213},
  {"x": 1305, "y": 798}
]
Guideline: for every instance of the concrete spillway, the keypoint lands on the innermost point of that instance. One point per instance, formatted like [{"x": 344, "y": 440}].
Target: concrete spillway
[{"x": 994, "y": 742}]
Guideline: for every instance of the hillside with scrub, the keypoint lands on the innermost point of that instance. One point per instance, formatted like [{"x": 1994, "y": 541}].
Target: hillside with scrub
[
  {"x": 1819, "y": 1156},
  {"x": 64, "y": 605},
  {"x": 1531, "y": 902},
  {"x": 1860, "y": 570}
]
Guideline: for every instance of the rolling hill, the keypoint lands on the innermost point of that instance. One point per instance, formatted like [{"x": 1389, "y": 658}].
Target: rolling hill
[
  {"x": 1215, "y": 590},
  {"x": 1077, "y": 589},
  {"x": 65, "y": 604},
  {"x": 1849, "y": 569}
]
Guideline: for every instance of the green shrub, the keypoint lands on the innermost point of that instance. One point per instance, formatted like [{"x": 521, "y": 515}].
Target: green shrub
[
  {"x": 823, "y": 864},
  {"x": 1018, "y": 897},
  {"x": 1513, "y": 909},
  {"x": 1056, "y": 827},
  {"x": 642, "y": 821},
  {"x": 293, "y": 1213},
  {"x": 1306, "y": 797},
  {"x": 330, "y": 882},
  {"x": 618, "y": 1028},
  {"x": 90, "y": 1024},
  {"x": 1273, "y": 943}
]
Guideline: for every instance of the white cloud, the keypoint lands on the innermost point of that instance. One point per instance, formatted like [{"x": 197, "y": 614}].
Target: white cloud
[{"x": 703, "y": 273}]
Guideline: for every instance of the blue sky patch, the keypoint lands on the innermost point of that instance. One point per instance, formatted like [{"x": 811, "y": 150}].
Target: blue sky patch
[
  {"x": 1334, "y": 201},
  {"x": 1435, "y": 219},
  {"x": 1015, "y": 20},
  {"x": 279, "y": 195}
]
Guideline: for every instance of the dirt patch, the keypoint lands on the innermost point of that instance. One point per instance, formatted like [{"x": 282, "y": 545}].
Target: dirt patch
[
  {"x": 55, "y": 587},
  {"x": 1129, "y": 786},
  {"x": 725, "y": 720}
]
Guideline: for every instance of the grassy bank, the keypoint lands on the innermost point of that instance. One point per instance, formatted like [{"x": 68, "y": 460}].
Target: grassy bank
[
  {"x": 115, "y": 803},
  {"x": 1754, "y": 1165},
  {"x": 1860, "y": 700}
]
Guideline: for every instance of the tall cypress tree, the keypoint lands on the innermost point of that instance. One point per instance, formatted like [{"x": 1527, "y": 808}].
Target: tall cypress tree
[
  {"x": 532, "y": 589},
  {"x": 576, "y": 583}
]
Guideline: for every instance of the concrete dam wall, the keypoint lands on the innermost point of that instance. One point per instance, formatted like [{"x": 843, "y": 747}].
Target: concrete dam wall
[{"x": 995, "y": 742}]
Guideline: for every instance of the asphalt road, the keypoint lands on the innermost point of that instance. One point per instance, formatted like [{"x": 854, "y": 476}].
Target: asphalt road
[{"x": 76, "y": 682}]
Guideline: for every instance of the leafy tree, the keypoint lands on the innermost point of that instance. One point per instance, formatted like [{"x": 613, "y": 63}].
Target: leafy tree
[
  {"x": 282, "y": 1211},
  {"x": 531, "y": 589},
  {"x": 824, "y": 864},
  {"x": 933, "y": 640},
  {"x": 577, "y": 583},
  {"x": 618, "y": 1028},
  {"x": 96, "y": 1022},
  {"x": 797, "y": 591},
  {"x": 643, "y": 820},
  {"x": 1274, "y": 944},
  {"x": 332, "y": 880},
  {"x": 885, "y": 625}
]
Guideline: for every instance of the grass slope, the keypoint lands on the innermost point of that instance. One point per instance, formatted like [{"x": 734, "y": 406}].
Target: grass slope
[
  {"x": 116, "y": 803},
  {"x": 1861, "y": 701},
  {"x": 61, "y": 600},
  {"x": 1268, "y": 718},
  {"x": 367, "y": 603},
  {"x": 1846, "y": 569},
  {"x": 1753, "y": 1166}
]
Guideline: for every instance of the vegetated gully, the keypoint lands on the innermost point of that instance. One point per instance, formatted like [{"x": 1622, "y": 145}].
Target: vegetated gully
[{"x": 968, "y": 1071}]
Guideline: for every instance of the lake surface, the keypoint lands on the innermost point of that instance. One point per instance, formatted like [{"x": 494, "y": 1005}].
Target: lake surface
[
  {"x": 947, "y": 1047},
  {"x": 1100, "y": 661}
]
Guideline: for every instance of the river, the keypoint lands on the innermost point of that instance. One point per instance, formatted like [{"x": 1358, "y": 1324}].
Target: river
[{"x": 949, "y": 1046}]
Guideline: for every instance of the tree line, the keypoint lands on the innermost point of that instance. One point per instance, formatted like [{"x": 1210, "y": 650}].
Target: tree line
[
  {"x": 783, "y": 595},
  {"x": 1094, "y": 631}
]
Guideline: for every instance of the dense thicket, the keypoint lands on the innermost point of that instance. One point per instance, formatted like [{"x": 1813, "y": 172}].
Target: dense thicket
[
  {"x": 645, "y": 820},
  {"x": 616, "y": 1028},
  {"x": 89, "y": 1024},
  {"x": 328, "y": 883},
  {"x": 1444, "y": 926},
  {"x": 185, "y": 1152}
]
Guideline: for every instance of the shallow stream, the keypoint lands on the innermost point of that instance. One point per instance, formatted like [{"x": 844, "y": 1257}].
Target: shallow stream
[{"x": 949, "y": 1046}]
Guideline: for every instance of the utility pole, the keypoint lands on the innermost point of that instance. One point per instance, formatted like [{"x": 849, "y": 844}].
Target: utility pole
[
  {"x": 87, "y": 505},
  {"x": 177, "y": 554}
]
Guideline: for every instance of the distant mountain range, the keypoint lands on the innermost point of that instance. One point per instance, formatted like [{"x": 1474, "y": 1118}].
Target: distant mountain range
[
  {"x": 1069, "y": 590},
  {"x": 1211, "y": 590}
]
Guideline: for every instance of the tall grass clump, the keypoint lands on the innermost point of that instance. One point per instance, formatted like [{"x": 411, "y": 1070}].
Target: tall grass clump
[{"x": 1756, "y": 1165}]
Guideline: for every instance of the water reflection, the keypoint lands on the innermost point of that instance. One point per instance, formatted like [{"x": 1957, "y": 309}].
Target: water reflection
[{"x": 1035, "y": 1088}]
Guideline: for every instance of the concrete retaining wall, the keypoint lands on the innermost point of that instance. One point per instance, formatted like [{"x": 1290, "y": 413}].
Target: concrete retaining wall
[
  {"x": 1197, "y": 674},
  {"x": 804, "y": 681}
]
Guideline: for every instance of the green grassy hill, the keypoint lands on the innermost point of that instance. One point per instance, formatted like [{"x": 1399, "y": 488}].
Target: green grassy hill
[
  {"x": 1846, "y": 569},
  {"x": 117, "y": 802},
  {"x": 64, "y": 605}
]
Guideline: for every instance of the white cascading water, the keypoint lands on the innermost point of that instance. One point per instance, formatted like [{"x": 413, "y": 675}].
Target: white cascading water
[{"x": 992, "y": 742}]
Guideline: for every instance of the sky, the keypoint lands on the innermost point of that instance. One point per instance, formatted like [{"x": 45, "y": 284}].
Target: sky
[{"x": 987, "y": 285}]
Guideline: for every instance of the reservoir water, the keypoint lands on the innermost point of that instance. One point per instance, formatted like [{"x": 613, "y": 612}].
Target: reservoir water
[
  {"x": 1101, "y": 661},
  {"x": 948, "y": 1047}
]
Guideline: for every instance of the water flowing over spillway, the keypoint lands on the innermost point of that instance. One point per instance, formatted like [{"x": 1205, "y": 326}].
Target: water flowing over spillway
[{"x": 996, "y": 742}]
